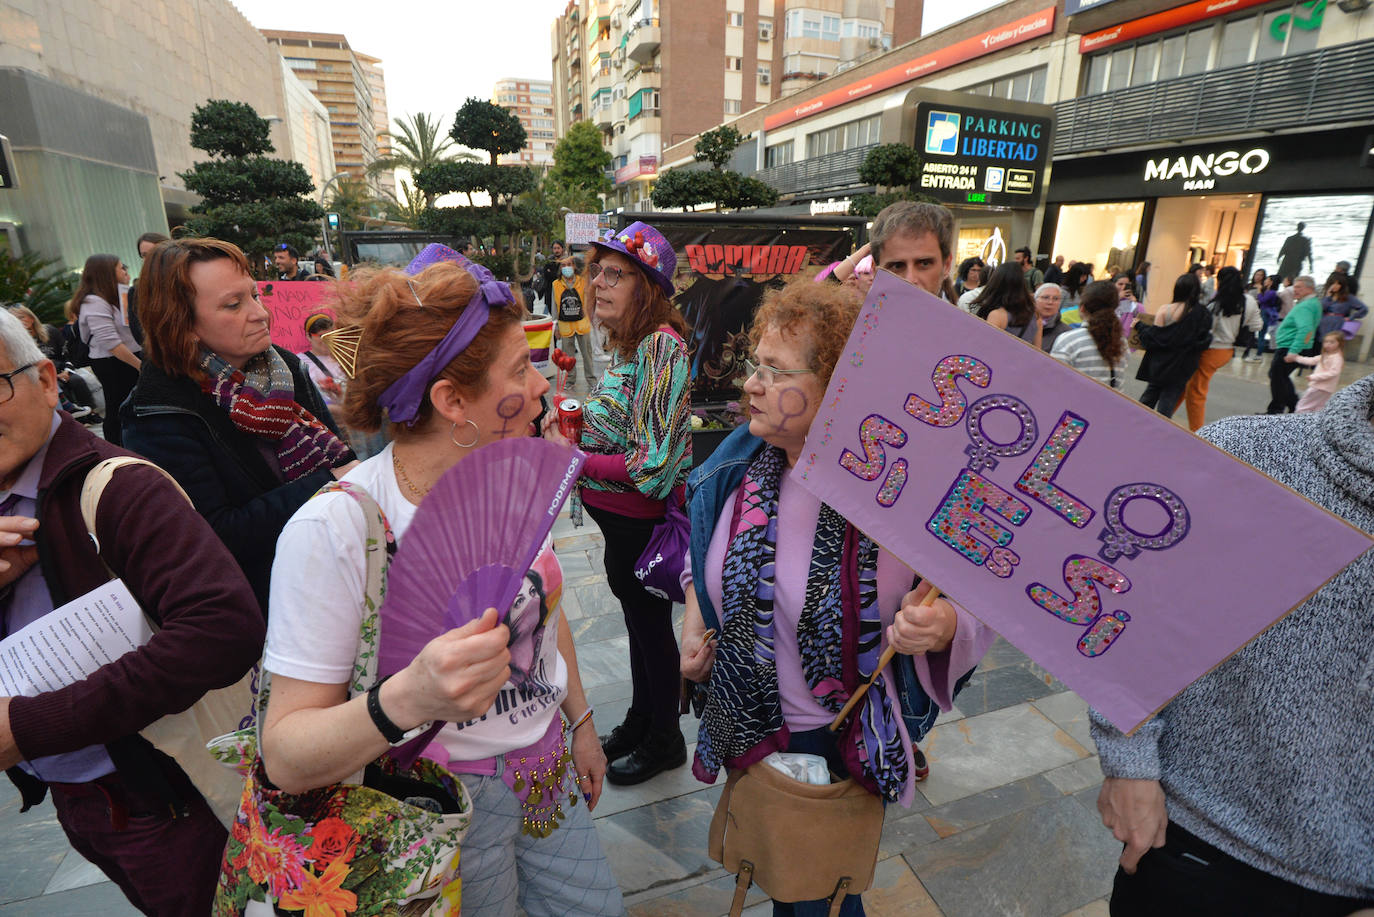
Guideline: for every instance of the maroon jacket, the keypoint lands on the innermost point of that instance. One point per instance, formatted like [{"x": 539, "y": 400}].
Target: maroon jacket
[{"x": 181, "y": 574}]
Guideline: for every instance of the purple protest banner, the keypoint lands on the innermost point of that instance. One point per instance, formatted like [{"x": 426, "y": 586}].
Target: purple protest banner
[{"x": 1122, "y": 553}]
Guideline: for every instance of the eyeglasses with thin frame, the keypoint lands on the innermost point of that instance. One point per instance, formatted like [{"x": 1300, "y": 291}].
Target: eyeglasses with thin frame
[
  {"x": 768, "y": 375},
  {"x": 7, "y": 388},
  {"x": 610, "y": 272}
]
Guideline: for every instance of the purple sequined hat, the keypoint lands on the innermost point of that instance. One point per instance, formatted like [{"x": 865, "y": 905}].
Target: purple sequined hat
[
  {"x": 645, "y": 246},
  {"x": 433, "y": 253}
]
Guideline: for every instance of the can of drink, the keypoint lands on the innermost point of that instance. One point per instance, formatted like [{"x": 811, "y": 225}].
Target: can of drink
[{"x": 570, "y": 420}]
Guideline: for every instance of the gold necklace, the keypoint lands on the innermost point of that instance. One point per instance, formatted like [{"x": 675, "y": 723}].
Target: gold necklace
[{"x": 405, "y": 478}]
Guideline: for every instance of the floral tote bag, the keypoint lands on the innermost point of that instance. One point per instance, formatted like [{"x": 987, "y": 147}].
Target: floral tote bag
[{"x": 386, "y": 842}]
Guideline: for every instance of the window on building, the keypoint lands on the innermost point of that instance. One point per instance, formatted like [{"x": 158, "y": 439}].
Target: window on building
[
  {"x": 735, "y": 19},
  {"x": 862, "y": 132},
  {"x": 734, "y": 63},
  {"x": 765, "y": 30},
  {"x": 830, "y": 28},
  {"x": 1143, "y": 67},
  {"x": 1237, "y": 42},
  {"x": 1119, "y": 72},
  {"x": 732, "y": 106},
  {"x": 765, "y": 72},
  {"x": 1197, "y": 49},
  {"x": 1026, "y": 86},
  {"x": 325, "y": 66},
  {"x": 779, "y": 154}
]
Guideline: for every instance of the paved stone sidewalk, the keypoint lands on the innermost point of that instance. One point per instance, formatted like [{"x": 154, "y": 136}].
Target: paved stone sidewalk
[{"x": 1005, "y": 825}]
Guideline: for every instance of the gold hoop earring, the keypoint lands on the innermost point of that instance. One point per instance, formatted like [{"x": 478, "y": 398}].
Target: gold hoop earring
[{"x": 475, "y": 438}]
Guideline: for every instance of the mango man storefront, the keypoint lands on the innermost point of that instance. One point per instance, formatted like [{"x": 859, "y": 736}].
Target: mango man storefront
[{"x": 1236, "y": 202}]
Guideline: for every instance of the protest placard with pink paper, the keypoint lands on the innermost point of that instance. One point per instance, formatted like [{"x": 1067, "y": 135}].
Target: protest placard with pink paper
[
  {"x": 1116, "y": 549},
  {"x": 291, "y": 302}
]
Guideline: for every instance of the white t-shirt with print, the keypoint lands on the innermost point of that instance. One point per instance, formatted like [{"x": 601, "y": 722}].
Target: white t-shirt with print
[{"x": 318, "y": 579}]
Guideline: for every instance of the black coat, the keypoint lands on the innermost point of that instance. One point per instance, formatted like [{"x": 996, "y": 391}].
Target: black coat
[
  {"x": 1172, "y": 351},
  {"x": 228, "y": 474}
]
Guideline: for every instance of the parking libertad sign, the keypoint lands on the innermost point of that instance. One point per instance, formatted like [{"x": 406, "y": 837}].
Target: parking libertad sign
[{"x": 976, "y": 156}]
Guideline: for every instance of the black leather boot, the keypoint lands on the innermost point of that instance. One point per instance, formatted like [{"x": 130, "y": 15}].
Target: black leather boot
[
  {"x": 624, "y": 738},
  {"x": 660, "y": 751}
]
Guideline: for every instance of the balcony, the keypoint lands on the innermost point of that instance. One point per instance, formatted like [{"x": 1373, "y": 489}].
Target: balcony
[
  {"x": 828, "y": 174},
  {"x": 643, "y": 41},
  {"x": 1327, "y": 86}
]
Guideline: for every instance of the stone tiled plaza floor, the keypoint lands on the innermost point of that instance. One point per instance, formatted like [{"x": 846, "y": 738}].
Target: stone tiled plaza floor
[{"x": 1006, "y": 824}]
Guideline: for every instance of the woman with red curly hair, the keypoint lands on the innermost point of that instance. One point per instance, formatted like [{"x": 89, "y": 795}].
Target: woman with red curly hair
[{"x": 768, "y": 600}]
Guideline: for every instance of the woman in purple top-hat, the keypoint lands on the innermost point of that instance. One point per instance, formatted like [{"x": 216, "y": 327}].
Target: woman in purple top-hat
[{"x": 635, "y": 428}]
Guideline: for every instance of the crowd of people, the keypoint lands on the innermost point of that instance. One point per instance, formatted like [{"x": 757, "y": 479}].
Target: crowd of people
[{"x": 285, "y": 482}]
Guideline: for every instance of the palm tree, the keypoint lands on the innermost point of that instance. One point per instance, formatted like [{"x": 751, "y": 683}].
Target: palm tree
[
  {"x": 418, "y": 145},
  {"x": 353, "y": 200}
]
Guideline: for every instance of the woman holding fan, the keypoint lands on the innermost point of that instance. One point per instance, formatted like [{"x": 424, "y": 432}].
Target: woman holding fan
[
  {"x": 441, "y": 356},
  {"x": 635, "y": 429}
]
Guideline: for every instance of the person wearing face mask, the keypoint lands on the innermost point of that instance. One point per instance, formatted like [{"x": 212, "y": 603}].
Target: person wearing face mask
[
  {"x": 98, "y": 307},
  {"x": 574, "y": 322}
]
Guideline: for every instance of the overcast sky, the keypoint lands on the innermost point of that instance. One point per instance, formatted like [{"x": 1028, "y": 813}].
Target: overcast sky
[{"x": 436, "y": 55}]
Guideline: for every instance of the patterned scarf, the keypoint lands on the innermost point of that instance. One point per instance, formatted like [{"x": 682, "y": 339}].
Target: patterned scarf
[
  {"x": 261, "y": 400},
  {"x": 838, "y": 634}
]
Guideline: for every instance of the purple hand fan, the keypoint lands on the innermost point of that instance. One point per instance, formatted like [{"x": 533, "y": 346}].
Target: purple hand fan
[{"x": 469, "y": 547}]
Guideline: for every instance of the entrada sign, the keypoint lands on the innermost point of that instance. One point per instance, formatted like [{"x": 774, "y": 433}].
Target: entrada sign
[
  {"x": 976, "y": 156},
  {"x": 1199, "y": 172}
]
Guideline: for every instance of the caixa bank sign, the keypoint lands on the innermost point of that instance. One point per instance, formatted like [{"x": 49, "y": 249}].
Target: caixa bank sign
[{"x": 1200, "y": 171}]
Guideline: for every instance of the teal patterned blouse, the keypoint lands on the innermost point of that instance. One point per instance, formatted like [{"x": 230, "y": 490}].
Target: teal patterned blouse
[{"x": 641, "y": 409}]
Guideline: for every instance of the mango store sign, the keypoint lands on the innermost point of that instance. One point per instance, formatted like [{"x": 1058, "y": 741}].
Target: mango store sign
[
  {"x": 1200, "y": 171},
  {"x": 1087, "y": 530}
]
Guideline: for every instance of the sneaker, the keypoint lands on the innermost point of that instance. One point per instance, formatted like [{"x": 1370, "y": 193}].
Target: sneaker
[
  {"x": 78, "y": 413},
  {"x": 626, "y": 737},
  {"x": 1255, "y": 359},
  {"x": 659, "y": 752}
]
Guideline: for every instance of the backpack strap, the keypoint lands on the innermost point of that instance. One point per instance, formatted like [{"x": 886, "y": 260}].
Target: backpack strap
[{"x": 98, "y": 478}]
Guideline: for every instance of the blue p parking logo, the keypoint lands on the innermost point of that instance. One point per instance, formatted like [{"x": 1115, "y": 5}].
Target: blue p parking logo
[{"x": 942, "y": 133}]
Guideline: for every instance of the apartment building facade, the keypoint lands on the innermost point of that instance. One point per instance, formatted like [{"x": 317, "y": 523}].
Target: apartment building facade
[
  {"x": 336, "y": 74},
  {"x": 651, "y": 73},
  {"x": 385, "y": 182},
  {"x": 532, "y": 102}
]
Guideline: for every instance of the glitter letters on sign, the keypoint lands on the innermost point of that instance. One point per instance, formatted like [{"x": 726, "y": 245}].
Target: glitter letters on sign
[{"x": 1085, "y": 529}]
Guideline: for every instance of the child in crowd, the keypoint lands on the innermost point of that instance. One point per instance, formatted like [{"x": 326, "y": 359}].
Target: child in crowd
[{"x": 1326, "y": 377}]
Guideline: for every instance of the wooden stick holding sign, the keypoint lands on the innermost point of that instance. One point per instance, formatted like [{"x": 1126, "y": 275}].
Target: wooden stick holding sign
[{"x": 883, "y": 660}]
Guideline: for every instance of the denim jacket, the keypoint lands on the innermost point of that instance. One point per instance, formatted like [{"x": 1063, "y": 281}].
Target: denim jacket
[{"x": 709, "y": 486}]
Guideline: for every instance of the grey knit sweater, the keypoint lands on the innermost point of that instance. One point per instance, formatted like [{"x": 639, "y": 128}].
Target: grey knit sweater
[{"x": 1270, "y": 757}]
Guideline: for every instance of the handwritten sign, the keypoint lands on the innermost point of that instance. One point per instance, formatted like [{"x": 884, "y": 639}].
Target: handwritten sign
[
  {"x": 580, "y": 228},
  {"x": 1114, "y": 548},
  {"x": 291, "y": 302}
]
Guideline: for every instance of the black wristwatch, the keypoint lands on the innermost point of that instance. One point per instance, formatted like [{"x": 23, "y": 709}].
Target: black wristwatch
[{"x": 393, "y": 734}]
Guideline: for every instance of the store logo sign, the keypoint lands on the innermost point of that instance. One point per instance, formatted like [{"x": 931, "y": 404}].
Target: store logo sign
[
  {"x": 1199, "y": 173},
  {"x": 942, "y": 133}
]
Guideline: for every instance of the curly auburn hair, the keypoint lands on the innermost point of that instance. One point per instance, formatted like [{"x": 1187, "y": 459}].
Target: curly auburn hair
[
  {"x": 167, "y": 301},
  {"x": 397, "y": 333},
  {"x": 649, "y": 310},
  {"x": 820, "y": 314}
]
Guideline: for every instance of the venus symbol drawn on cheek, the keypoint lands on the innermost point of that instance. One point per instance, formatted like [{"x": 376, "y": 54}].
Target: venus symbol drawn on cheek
[
  {"x": 1119, "y": 539},
  {"x": 792, "y": 402},
  {"x": 509, "y": 408}
]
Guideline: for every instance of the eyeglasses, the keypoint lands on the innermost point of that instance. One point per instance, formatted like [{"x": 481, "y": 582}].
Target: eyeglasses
[
  {"x": 7, "y": 389},
  {"x": 768, "y": 375},
  {"x": 611, "y": 273}
]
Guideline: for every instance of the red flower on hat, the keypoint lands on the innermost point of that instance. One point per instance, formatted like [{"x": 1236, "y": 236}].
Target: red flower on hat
[{"x": 640, "y": 249}]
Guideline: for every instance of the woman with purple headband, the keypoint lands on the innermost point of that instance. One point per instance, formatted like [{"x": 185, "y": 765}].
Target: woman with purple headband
[{"x": 436, "y": 354}]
